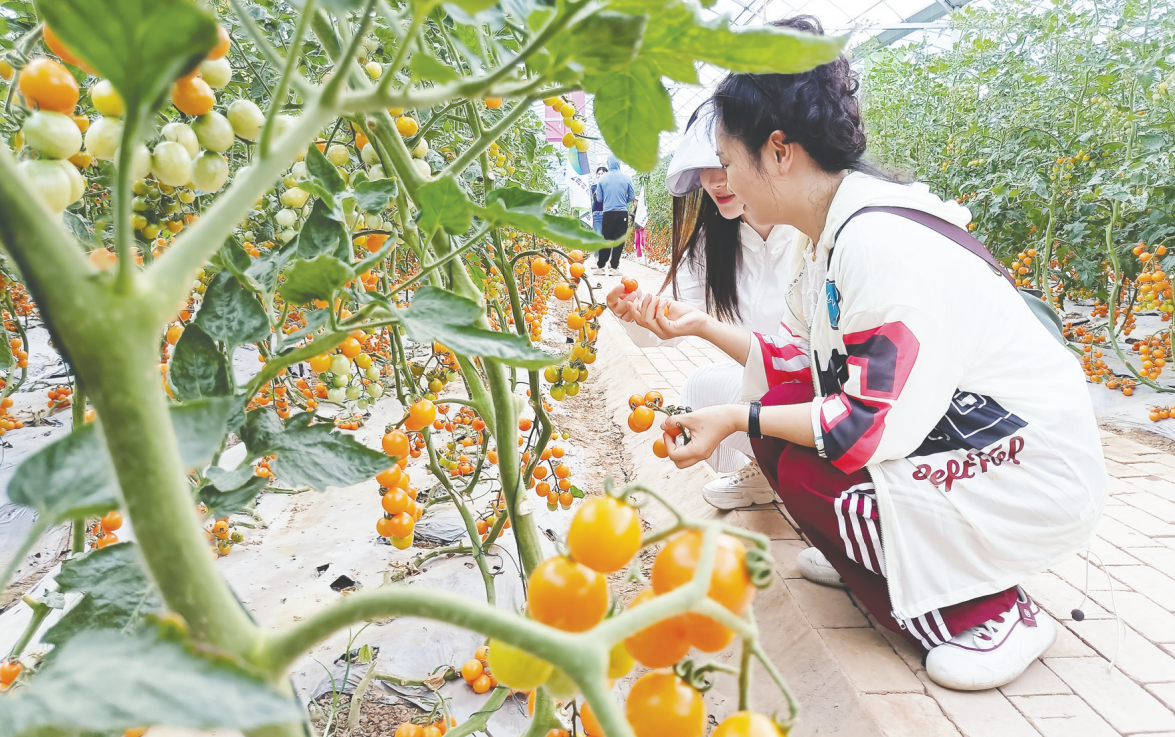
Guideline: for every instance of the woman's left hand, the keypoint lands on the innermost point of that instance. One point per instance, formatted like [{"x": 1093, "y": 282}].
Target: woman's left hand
[{"x": 707, "y": 427}]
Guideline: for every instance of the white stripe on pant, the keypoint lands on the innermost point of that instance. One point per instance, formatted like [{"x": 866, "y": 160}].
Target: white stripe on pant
[{"x": 720, "y": 383}]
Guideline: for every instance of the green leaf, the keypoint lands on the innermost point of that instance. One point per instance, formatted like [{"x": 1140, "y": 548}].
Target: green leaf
[
  {"x": 474, "y": 6},
  {"x": 198, "y": 368},
  {"x": 5, "y": 347},
  {"x": 436, "y": 306},
  {"x": 677, "y": 36},
  {"x": 231, "y": 314},
  {"x": 221, "y": 503},
  {"x": 576, "y": 492},
  {"x": 199, "y": 428},
  {"x": 233, "y": 257},
  {"x": 510, "y": 349},
  {"x": 141, "y": 46},
  {"x": 374, "y": 196},
  {"x": 603, "y": 42},
  {"x": 79, "y": 226},
  {"x": 317, "y": 278},
  {"x": 69, "y": 478},
  {"x": 118, "y": 592},
  {"x": 263, "y": 271},
  {"x": 442, "y": 203},
  {"x": 321, "y": 233},
  {"x": 144, "y": 679},
  {"x": 313, "y": 455},
  {"x": 425, "y": 66},
  {"x": 527, "y": 211},
  {"x": 322, "y": 172},
  {"x": 632, "y": 108}
]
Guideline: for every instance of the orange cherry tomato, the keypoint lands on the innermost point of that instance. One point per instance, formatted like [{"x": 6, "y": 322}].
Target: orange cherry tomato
[
  {"x": 604, "y": 535},
  {"x": 567, "y": 595},
  {"x": 47, "y": 84},
  {"x": 663, "y": 705},
  {"x": 192, "y": 96},
  {"x": 659, "y": 645},
  {"x": 395, "y": 443}
]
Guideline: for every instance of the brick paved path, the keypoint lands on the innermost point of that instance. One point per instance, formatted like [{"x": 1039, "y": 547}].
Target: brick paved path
[{"x": 1069, "y": 692}]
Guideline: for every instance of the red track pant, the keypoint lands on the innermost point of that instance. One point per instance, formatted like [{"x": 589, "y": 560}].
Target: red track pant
[{"x": 837, "y": 512}]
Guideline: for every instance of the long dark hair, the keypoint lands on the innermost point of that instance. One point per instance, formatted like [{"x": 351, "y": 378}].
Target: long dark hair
[
  {"x": 701, "y": 233},
  {"x": 817, "y": 109}
]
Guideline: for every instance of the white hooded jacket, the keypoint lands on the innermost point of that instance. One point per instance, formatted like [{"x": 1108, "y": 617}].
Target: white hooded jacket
[{"x": 974, "y": 424}]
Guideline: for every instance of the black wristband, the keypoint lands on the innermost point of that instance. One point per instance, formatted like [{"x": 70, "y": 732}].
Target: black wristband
[{"x": 753, "y": 421}]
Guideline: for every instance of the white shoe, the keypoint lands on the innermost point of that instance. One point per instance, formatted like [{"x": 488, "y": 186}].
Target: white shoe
[
  {"x": 597, "y": 271},
  {"x": 815, "y": 567},
  {"x": 609, "y": 271},
  {"x": 996, "y": 652},
  {"x": 742, "y": 488}
]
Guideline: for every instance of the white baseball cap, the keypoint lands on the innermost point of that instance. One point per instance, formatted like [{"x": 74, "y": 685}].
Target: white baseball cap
[{"x": 697, "y": 151}]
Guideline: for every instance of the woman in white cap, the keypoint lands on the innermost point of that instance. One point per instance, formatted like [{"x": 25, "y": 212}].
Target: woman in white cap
[{"x": 731, "y": 267}]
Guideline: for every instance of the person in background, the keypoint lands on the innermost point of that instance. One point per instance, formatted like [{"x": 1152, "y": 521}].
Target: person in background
[
  {"x": 615, "y": 191},
  {"x": 729, "y": 266},
  {"x": 597, "y": 203},
  {"x": 934, "y": 442}
]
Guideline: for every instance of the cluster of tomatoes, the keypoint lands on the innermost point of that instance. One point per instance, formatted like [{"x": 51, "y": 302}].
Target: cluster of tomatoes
[
  {"x": 7, "y": 421},
  {"x": 1159, "y": 412},
  {"x": 397, "y": 495},
  {"x": 1154, "y": 353},
  {"x": 434, "y": 728},
  {"x": 18, "y": 352},
  {"x": 1153, "y": 284},
  {"x": 644, "y": 413},
  {"x": 476, "y": 671},
  {"x": 10, "y": 670},
  {"x": 467, "y": 430},
  {"x": 59, "y": 396},
  {"x": 222, "y": 536},
  {"x": 440, "y": 368},
  {"x": 348, "y": 373},
  {"x": 104, "y": 529},
  {"x": 1021, "y": 266},
  {"x": 575, "y": 125}
]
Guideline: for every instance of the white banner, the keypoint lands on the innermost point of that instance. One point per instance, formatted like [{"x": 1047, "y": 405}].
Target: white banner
[
  {"x": 579, "y": 189},
  {"x": 641, "y": 218}
]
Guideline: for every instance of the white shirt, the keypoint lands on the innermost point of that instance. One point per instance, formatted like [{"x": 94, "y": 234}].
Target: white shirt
[{"x": 762, "y": 285}]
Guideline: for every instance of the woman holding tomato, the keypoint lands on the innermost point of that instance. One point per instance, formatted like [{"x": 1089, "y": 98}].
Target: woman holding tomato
[
  {"x": 933, "y": 441},
  {"x": 729, "y": 266}
]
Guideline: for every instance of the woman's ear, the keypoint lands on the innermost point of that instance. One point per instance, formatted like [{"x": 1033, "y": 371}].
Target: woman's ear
[{"x": 779, "y": 153}]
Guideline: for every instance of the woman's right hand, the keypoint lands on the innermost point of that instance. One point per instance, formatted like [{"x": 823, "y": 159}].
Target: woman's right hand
[{"x": 623, "y": 304}]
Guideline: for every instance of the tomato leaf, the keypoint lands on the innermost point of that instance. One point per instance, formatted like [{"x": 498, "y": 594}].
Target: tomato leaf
[
  {"x": 199, "y": 427},
  {"x": 576, "y": 492},
  {"x": 374, "y": 196},
  {"x": 123, "y": 41},
  {"x": 436, "y": 306},
  {"x": 508, "y": 348},
  {"x": 603, "y": 42},
  {"x": 310, "y": 454},
  {"x": 69, "y": 478},
  {"x": 321, "y": 233},
  {"x": 264, "y": 271},
  {"x": 223, "y": 502},
  {"x": 118, "y": 592},
  {"x": 231, "y": 314},
  {"x": 317, "y": 278},
  {"x": 442, "y": 203},
  {"x": 425, "y": 66},
  {"x": 198, "y": 367},
  {"x": 632, "y": 108},
  {"x": 527, "y": 211},
  {"x": 158, "y": 681},
  {"x": 322, "y": 172}
]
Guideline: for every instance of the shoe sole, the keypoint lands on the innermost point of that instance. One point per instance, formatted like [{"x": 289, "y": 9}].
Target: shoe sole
[{"x": 729, "y": 503}]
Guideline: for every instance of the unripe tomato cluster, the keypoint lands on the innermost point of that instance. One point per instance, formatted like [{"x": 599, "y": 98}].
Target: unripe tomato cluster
[{"x": 349, "y": 373}]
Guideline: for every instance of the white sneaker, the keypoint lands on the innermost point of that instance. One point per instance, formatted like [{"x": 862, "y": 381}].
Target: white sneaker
[
  {"x": 742, "y": 488},
  {"x": 608, "y": 271},
  {"x": 996, "y": 652},
  {"x": 598, "y": 270},
  {"x": 815, "y": 567}
]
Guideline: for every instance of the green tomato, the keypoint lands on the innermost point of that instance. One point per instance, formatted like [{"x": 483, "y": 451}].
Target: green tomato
[
  {"x": 294, "y": 197},
  {"x": 363, "y": 403},
  {"x": 335, "y": 395},
  {"x": 559, "y": 685},
  {"x": 558, "y": 392},
  {"x": 375, "y": 390},
  {"x": 106, "y": 99},
  {"x": 50, "y": 183},
  {"x": 435, "y": 386},
  {"x": 583, "y": 375},
  {"x": 140, "y": 204},
  {"x": 570, "y": 373},
  {"x": 53, "y": 135},
  {"x": 421, "y": 149},
  {"x": 103, "y": 137},
  {"x": 338, "y": 154},
  {"x": 423, "y": 168},
  {"x": 141, "y": 162},
  {"x": 572, "y": 388},
  {"x": 369, "y": 155},
  {"x": 77, "y": 183},
  {"x": 517, "y": 668},
  {"x": 286, "y": 218},
  {"x": 376, "y": 173},
  {"x": 210, "y": 172},
  {"x": 171, "y": 163},
  {"x": 353, "y": 392},
  {"x": 214, "y": 132},
  {"x": 551, "y": 374},
  {"x": 372, "y": 372},
  {"x": 374, "y": 69},
  {"x": 246, "y": 119},
  {"x": 340, "y": 364},
  {"x": 287, "y": 235},
  {"x": 216, "y": 72},
  {"x": 187, "y": 196},
  {"x": 138, "y": 222},
  {"x": 341, "y": 380},
  {"x": 182, "y": 134},
  {"x": 152, "y": 230}
]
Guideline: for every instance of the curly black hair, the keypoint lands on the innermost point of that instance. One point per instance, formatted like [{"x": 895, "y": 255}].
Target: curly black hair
[{"x": 817, "y": 109}]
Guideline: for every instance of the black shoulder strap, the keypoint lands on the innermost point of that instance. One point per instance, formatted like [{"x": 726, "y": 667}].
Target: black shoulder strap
[{"x": 940, "y": 226}]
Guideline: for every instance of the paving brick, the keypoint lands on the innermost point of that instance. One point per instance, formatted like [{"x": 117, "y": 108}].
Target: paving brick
[
  {"x": 1157, "y": 586},
  {"x": 1126, "y": 450},
  {"x": 784, "y": 553},
  {"x": 1073, "y": 571},
  {"x": 1122, "y": 486},
  {"x": 1125, "y": 470},
  {"x": 1137, "y": 657},
  {"x": 825, "y": 606},
  {"x": 1150, "y": 467},
  {"x": 767, "y": 522},
  {"x": 980, "y": 713},
  {"x": 1161, "y": 559},
  {"x": 1038, "y": 680},
  {"x": 1150, "y": 620},
  {"x": 869, "y": 661},
  {"x": 1068, "y": 644},
  {"x": 1062, "y": 716},
  {"x": 1152, "y": 504},
  {"x": 909, "y": 652},
  {"x": 1118, "y": 699},
  {"x": 1164, "y": 692},
  {"x": 1161, "y": 486},
  {"x": 1109, "y": 555},
  {"x": 1139, "y": 520},
  {"x": 1118, "y": 534},
  {"x": 907, "y": 715}
]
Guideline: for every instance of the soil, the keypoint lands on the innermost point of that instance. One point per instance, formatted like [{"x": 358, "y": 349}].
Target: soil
[
  {"x": 1153, "y": 440},
  {"x": 375, "y": 719}
]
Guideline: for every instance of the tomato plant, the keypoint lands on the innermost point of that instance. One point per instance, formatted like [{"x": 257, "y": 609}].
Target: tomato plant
[{"x": 355, "y": 194}]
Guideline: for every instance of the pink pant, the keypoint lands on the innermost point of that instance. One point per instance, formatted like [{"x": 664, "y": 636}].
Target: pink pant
[{"x": 837, "y": 512}]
